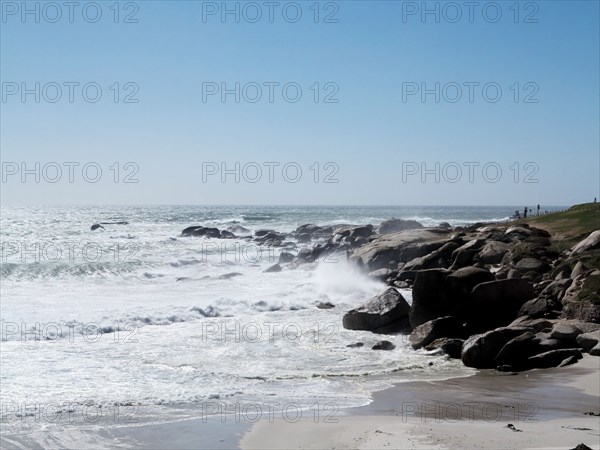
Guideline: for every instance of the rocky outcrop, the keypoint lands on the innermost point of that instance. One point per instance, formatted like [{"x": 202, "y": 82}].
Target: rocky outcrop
[
  {"x": 395, "y": 225},
  {"x": 388, "y": 250},
  {"x": 207, "y": 232},
  {"x": 385, "y": 310}
]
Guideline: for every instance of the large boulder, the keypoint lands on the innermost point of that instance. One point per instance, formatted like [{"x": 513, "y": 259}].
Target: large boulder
[
  {"x": 589, "y": 243},
  {"x": 518, "y": 350},
  {"x": 533, "y": 265},
  {"x": 388, "y": 308},
  {"x": 430, "y": 297},
  {"x": 443, "y": 327},
  {"x": 395, "y": 225},
  {"x": 461, "y": 282},
  {"x": 496, "y": 303},
  {"x": 587, "y": 341},
  {"x": 388, "y": 250},
  {"x": 480, "y": 350},
  {"x": 538, "y": 324},
  {"x": 492, "y": 252},
  {"x": 540, "y": 307},
  {"x": 553, "y": 358},
  {"x": 464, "y": 255},
  {"x": 565, "y": 332}
]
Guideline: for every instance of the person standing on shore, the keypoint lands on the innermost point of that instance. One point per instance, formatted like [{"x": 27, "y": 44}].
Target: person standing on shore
[
  {"x": 538, "y": 210},
  {"x": 525, "y": 213}
]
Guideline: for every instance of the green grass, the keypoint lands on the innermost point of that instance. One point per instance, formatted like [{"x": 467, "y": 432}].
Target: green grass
[{"x": 569, "y": 225}]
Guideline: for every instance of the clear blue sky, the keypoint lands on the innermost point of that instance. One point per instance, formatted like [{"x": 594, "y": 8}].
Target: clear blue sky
[{"x": 370, "y": 134}]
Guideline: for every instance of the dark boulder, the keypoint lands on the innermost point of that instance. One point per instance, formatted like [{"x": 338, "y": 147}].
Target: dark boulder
[
  {"x": 516, "y": 351},
  {"x": 480, "y": 350},
  {"x": 383, "y": 345},
  {"x": 430, "y": 299},
  {"x": 464, "y": 255},
  {"x": 553, "y": 358},
  {"x": 285, "y": 257},
  {"x": 587, "y": 341},
  {"x": 496, "y": 303},
  {"x": 443, "y": 327},
  {"x": 325, "y": 305},
  {"x": 383, "y": 310}
]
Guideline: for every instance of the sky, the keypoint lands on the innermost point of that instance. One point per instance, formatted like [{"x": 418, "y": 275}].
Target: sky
[{"x": 308, "y": 103}]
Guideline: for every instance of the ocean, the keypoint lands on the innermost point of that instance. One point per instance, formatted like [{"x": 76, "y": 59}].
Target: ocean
[{"x": 132, "y": 323}]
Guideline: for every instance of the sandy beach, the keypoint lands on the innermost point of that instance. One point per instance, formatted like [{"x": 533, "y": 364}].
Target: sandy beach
[{"x": 545, "y": 409}]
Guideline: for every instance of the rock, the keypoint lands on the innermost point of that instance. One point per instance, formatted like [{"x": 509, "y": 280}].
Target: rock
[
  {"x": 496, "y": 303},
  {"x": 532, "y": 264},
  {"x": 567, "y": 362},
  {"x": 553, "y": 358},
  {"x": 556, "y": 289},
  {"x": 539, "y": 307},
  {"x": 227, "y": 234},
  {"x": 449, "y": 346},
  {"x": 587, "y": 341},
  {"x": 520, "y": 231},
  {"x": 395, "y": 225},
  {"x": 273, "y": 268},
  {"x": 303, "y": 238},
  {"x": 585, "y": 327},
  {"x": 443, "y": 327},
  {"x": 383, "y": 310},
  {"x": 579, "y": 269},
  {"x": 355, "y": 345},
  {"x": 200, "y": 231},
  {"x": 513, "y": 273},
  {"x": 492, "y": 252},
  {"x": 479, "y": 351},
  {"x": 530, "y": 322},
  {"x": 383, "y": 345},
  {"x": 227, "y": 276},
  {"x": 388, "y": 250},
  {"x": 516, "y": 351},
  {"x": 381, "y": 274},
  {"x": 565, "y": 332},
  {"x": 439, "y": 258},
  {"x": 546, "y": 345},
  {"x": 95, "y": 226},
  {"x": 462, "y": 281},
  {"x": 430, "y": 299},
  {"x": 581, "y": 446},
  {"x": 285, "y": 257},
  {"x": 463, "y": 255},
  {"x": 595, "y": 351},
  {"x": 325, "y": 305},
  {"x": 591, "y": 242}
]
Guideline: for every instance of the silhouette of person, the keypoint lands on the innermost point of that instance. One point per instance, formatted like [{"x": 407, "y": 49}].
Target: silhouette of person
[
  {"x": 538, "y": 210},
  {"x": 525, "y": 213}
]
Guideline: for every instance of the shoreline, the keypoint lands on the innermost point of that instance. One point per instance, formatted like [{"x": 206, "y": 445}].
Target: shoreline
[{"x": 546, "y": 408}]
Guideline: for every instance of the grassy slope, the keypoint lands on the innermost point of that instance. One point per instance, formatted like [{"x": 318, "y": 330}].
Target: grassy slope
[{"x": 570, "y": 225}]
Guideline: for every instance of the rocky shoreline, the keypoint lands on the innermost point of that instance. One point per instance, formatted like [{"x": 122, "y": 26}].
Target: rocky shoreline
[{"x": 498, "y": 296}]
